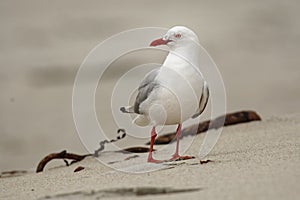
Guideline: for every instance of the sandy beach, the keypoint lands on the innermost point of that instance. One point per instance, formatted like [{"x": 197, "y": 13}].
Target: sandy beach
[
  {"x": 255, "y": 46},
  {"x": 263, "y": 166}
]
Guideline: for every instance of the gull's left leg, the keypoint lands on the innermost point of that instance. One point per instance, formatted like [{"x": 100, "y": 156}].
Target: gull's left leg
[{"x": 176, "y": 155}]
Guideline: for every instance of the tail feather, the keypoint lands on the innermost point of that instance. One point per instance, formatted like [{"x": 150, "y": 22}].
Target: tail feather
[
  {"x": 127, "y": 109},
  {"x": 140, "y": 120}
]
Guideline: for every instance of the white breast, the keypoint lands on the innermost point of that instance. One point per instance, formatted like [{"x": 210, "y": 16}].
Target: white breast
[{"x": 177, "y": 97}]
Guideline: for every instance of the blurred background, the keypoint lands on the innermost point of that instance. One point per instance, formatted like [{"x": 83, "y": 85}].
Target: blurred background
[{"x": 255, "y": 44}]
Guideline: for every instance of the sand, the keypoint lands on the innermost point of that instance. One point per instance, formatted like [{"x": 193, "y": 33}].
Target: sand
[
  {"x": 254, "y": 43},
  {"x": 257, "y": 160}
]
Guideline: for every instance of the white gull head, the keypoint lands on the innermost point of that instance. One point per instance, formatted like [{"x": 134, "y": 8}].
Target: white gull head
[
  {"x": 182, "y": 42},
  {"x": 178, "y": 36}
]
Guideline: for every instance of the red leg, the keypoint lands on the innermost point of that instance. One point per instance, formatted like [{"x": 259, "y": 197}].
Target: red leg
[
  {"x": 178, "y": 133},
  {"x": 150, "y": 158},
  {"x": 176, "y": 154}
]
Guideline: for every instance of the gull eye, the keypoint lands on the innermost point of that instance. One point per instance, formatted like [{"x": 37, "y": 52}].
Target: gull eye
[{"x": 178, "y": 35}]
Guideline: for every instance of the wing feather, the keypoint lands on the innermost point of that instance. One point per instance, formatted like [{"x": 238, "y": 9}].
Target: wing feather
[{"x": 203, "y": 100}]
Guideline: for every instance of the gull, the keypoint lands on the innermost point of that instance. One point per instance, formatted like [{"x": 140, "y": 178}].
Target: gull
[{"x": 174, "y": 92}]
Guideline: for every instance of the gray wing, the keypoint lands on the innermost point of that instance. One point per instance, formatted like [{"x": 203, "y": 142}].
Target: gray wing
[
  {"x": 203, "y": 100},
  {"x": 146, "y": 87}
]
